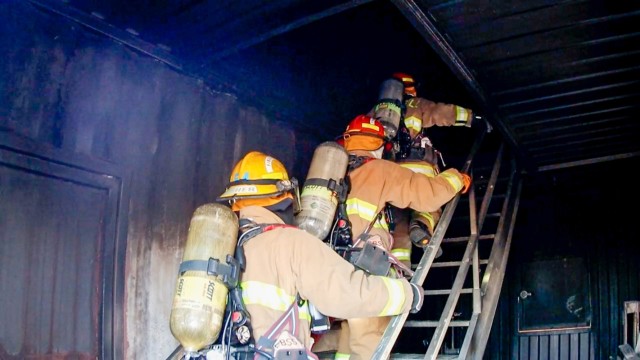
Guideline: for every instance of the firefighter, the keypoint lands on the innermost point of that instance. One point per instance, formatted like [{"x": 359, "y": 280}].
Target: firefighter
[
  {"x": 374, "y": 184},
  {"x": 287, "y": 268},
  {"x": 415, "y": 151}
]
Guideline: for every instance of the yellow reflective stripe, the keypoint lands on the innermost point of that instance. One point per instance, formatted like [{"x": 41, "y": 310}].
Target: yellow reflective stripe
[
  {"x": 411, "y": 103},
  {"x": 304, "y": 313},
  {"x": 361, "y": 208},
  {"x": 270, "y": 296},
  {"x": 396, "y": 297},
  {"x": 319, "y": 191},
  {"x": 425, "y": 169},
  {"x": 388, "y": 105},
  {"x": 259, "y": 293},
  {"x": 413, "y": 123},
  {"x": 462, "y": 115},
  {"x": 401, "y": 254},
  {"x": 453, "y": 180},
  {"x": 365, "y": 210},
  {"x": 428, "y": 217},
  {"x": 341, "y": 356}
]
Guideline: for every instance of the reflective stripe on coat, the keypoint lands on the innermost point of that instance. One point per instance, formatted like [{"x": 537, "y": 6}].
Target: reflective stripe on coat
[
  {"x": 283, "y": 262},
  {"x": 380, "y": 181}
]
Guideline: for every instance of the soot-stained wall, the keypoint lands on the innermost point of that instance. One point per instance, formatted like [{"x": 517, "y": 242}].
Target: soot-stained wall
[{"x": 70, "y": 90}]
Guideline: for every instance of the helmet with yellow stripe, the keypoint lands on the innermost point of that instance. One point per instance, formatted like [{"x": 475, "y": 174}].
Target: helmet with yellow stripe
[
  {"x": 261, "y": 180},
  {"x": 408, "y": 82},
  {"x": 364, "y": 133}
]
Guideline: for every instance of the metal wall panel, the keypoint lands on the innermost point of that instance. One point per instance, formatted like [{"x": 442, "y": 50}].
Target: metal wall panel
[
  {"x": 571, "y": 215},
  {"x": 78, "y": 92},
  {"x": 558, "y": 347}
]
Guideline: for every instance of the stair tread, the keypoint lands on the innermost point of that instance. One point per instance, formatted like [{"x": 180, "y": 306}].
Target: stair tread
[
  {"x": 466, "y": 238},
  {"x": 485, "y": 215},
  {"x": 420, "y": 356},
  {"x": 434, "y": 323},
  {"x": 331, "y": 354},
  {"x": 455, "y": 263},
  {"x": 448, "y": 291}
]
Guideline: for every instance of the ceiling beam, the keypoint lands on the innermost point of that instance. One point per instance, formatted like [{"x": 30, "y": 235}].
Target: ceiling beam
[
  {"x": 588, "y": 161},
  {"x": 437, "y": 41},
  {"x": 99, "y": 25},
  {"x": 286, "y": 28}
]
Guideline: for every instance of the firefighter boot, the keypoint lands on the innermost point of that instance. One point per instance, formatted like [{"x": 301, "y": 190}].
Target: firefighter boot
[{"x": 420, "y": 235}]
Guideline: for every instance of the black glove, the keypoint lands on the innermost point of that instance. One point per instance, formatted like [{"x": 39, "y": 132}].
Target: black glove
[
  {"x": 418, "y": 298},
  {"x": 480, "y": 122}
]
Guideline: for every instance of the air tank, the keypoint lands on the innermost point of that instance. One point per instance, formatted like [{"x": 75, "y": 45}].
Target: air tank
[
  {"x": 318, "y": 202},
  {"x": 388, "y": 110},
  {"x": 200, "y": 299}
]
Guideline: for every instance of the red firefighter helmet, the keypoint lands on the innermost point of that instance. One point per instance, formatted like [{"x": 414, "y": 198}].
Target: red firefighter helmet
[
  {"x": 364, "y": 133},
  {"x": 408, "y": 82},
  {"x": 365, "y": 125}
]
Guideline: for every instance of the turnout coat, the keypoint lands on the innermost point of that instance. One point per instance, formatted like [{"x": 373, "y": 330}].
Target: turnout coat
[
  {"x": 374, "y": 184},
  {"x": 287, "y": 261}
]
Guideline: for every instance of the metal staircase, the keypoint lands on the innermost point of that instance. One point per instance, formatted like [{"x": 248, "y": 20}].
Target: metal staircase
[
  {"x": 465, "y": 316},
  {"x": 466, "y": 304}
]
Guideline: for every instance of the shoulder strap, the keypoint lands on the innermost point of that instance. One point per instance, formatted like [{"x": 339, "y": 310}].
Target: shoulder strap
[
  {"x": 356, "y": 161},
  {"x": 341, "y": 236},
  {"x": 249, "y": 229}
]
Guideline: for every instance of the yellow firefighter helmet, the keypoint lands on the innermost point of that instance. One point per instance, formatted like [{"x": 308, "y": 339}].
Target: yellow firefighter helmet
[{"x": 259, "y": 179}]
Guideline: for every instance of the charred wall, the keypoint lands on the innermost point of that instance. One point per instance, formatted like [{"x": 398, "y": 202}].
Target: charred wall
[
  {"x": 162, "y": 142},
  {"x": 142, "y": 145}
]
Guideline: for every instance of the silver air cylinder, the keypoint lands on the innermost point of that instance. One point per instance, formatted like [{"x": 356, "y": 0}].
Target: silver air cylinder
[
  {"x": 388, "y": 110},
  {"x": 318, "y": 202}
]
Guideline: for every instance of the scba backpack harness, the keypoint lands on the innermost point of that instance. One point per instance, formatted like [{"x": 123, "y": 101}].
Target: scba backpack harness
[
  {"x": 370, "y": 258},
  {"x": 237, "y": 342}
]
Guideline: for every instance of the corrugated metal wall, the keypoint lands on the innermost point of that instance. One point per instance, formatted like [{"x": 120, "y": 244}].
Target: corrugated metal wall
[
  {"x": 70, "y": 91},
  {"x": 173, "y": 141},
  {"x": 561, "y": 346}
]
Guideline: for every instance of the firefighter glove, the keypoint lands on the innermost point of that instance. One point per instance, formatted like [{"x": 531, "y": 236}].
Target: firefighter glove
[
  {"x": 466, "y": 182},
  {"x": 418, "y": 298}
]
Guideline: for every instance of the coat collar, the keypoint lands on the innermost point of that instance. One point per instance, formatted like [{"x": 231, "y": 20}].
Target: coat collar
[{"x": 260, "y": 215}]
